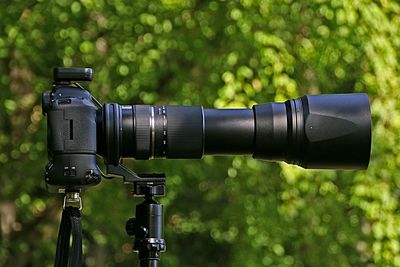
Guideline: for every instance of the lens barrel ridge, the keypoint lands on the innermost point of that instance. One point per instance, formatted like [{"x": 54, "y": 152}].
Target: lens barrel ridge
[
  {"x": 296, "y": 139},
  {"x": 271, "y": 131}
]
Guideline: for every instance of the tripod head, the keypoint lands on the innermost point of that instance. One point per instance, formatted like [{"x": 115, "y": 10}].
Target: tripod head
[{"x": 147, "y": 226}]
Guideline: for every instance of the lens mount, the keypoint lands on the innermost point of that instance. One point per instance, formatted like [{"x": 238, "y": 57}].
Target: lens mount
[{"x": 112, "y": 134}]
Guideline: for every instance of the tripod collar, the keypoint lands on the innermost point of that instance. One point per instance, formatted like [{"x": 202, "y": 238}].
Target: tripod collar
[{"x": 143, "y": 184}]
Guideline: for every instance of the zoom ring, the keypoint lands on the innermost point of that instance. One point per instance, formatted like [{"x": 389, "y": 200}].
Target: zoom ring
[{"x": 142, "y": 131}]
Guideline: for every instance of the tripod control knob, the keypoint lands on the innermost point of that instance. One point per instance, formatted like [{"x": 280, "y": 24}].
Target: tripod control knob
[
  {"x": 142, "y": 232},
  {"x": 133, "y": 229},
  {"x": 130, "y": 227}
]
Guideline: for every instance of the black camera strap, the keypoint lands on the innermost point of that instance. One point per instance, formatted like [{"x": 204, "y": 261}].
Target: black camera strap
[{"x": 70, "y": 221}]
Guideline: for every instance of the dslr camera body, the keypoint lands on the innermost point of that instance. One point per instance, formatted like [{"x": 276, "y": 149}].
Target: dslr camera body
[{"x": 71, "y": 133}]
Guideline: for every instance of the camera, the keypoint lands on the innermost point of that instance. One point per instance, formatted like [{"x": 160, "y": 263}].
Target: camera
[{"x": 331, "y": 131}]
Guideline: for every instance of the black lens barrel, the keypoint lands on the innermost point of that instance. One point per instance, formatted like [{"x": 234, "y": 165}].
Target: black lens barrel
[
  {"x": 314, "y": 131},
  {"x": 228, "y": 131}
]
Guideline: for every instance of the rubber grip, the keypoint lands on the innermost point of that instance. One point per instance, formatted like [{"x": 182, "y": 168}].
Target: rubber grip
[{"x": 185, "y": 132}]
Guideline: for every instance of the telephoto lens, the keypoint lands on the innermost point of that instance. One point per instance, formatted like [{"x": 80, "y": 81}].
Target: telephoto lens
[{"x": 314, "y": 131}]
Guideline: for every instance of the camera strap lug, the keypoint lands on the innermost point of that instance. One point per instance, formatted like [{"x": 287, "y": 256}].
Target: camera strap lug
[{"x": 72, "y": 199}]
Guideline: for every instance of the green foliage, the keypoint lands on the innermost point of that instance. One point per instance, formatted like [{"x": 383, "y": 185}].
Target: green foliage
[{"x": 230, "y": 211}]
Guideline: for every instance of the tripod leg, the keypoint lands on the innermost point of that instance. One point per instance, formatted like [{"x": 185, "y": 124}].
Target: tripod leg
[{"x": 149, "y": 262}]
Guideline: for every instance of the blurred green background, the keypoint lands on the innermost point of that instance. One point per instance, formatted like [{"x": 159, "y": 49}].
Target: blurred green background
[{"x": 219, "y": 211}]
